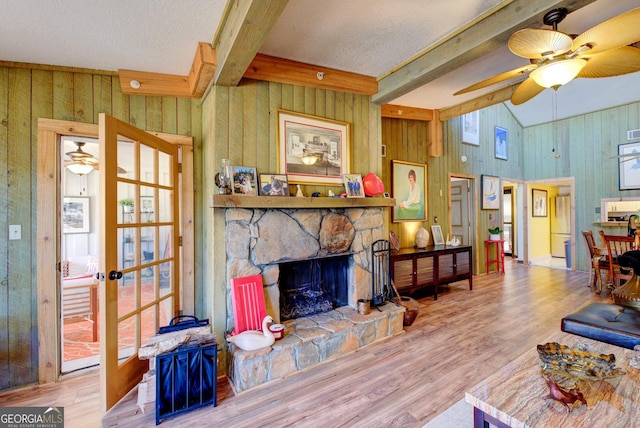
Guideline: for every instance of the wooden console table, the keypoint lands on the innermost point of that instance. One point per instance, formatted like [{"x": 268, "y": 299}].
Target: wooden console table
[
  {"x": 413, "y": 269},
  {"x": 514, "y": 396}
]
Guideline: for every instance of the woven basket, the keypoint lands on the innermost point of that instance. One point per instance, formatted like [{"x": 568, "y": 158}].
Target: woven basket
[{"x": 412, "y": 307}]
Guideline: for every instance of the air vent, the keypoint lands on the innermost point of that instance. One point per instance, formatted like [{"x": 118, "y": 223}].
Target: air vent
[{"x": 634, "y": 134}]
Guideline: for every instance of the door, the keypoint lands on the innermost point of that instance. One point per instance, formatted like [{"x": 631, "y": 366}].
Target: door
[
  {"x": 507, "y": 221},
  {"x": 139, "y": 248},
  {"x": 460, "y": 203}
]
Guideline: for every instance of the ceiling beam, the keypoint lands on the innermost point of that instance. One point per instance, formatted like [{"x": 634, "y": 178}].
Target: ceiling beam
[
  {"x": 472, "y": 43},
  {"x": 156, "y": 84},
  {"x": 246, "y": 25},
  {"x": 272, "y": 69},
  {"x": 404, "y": 112}
]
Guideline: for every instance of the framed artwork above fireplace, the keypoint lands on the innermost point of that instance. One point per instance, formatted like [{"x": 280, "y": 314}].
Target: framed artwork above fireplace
[{"x": 311, "y": 149}]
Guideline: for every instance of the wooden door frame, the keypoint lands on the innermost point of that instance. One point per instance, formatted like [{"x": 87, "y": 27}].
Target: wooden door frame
[
  {"x": 48, "y": 230},
  {"x": 474, "y": 206}
]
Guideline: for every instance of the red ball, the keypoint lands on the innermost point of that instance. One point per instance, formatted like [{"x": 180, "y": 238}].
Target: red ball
[{"x": 373, "y": 185}]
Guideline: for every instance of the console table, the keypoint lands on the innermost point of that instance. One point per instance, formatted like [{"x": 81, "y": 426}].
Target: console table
[
  {"x": 413, "y": 269},
  {"x": 514, "y": 396}
]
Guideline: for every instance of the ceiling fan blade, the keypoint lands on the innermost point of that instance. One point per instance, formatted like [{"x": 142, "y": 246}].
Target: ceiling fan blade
[
  {"x": 621, "y": 30},
  {"x": 536, "y": 43},
  {"x": 498, "y": 78},
  {"x": 525, "y": 91},
  {"x": 613, "y": 62}
]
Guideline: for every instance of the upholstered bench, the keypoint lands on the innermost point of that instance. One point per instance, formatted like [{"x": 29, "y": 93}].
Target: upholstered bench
[{"x": 614, "y": 324}]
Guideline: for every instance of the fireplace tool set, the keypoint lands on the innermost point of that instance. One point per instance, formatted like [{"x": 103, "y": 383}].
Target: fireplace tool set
[{"x": 380, "y": 273}]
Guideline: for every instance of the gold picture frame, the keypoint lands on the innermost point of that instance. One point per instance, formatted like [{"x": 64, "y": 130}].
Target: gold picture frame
[
  {"x": 311, "y": 149},
  {"x": 411, "y": 198}
]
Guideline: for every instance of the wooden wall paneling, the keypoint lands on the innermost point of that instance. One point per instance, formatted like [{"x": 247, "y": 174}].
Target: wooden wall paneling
[
  {"x": 83, "y": 97},
  {"x": 22, "y": 350},
  {"x": 321, "y": 103},
  {"x": 310, "y": 101},
  {"x": 63, "y": 95},
  {"x": 275, "y": 102},
  {"x": 263, "y": 121},
  {"x": 236, "y": 132},
  {"x": 153, "y": 113},
  {"x": 169, "y": 115},
  {"x": 249, "y": 113},
  {"x": 137, "y": 111},
  {"x": 102, "y": 91},
  {"x": 4, "y": 230},
  {"x": 120, "y": 103},
  {"x": 298, "y": 99}
]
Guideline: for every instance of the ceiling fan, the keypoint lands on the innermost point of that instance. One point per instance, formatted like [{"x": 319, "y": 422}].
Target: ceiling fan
[
  {"x": 557, "y": 58},
  {"x": 82, "y": 163}
]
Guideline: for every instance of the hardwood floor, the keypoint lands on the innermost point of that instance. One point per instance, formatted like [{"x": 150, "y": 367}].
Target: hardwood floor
[{"x": 404, "y": 381}]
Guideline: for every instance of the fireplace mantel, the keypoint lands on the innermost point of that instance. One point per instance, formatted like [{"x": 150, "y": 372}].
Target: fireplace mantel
[{"x": 266, "y": 202}]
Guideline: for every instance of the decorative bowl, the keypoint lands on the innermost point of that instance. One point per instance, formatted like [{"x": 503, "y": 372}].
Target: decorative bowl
[{"x": 564, "y": 361}]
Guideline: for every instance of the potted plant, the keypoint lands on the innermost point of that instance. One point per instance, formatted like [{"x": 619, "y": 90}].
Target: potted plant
[
  {"x": 127, "y": 204},
  {"x": 494, "y": 233}
]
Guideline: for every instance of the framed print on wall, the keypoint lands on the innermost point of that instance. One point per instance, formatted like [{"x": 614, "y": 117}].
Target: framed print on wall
[
  {"x": 312, "y": 150},
  {"x": 438, "y": 238},
  {"x": 409, "y": 187},
  {"x": 501, "y": 149},
  {"x": 629, "y": 166},
  {"x": 539, "y": 203},
  {"x": 490, "y": 192},
  {"x": 471, "y": 128},
  {"x": 75, "y": 214},
  {"x": 244, "y": 180}
]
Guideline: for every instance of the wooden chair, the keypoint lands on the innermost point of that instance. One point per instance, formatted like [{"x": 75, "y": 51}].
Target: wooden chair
[
  {"x": 617, "y": 245},
  {"x": 599, "y": 260}
]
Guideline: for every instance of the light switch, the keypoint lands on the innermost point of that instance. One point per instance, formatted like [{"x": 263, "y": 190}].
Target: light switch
[{"x": 15, "y": 231}]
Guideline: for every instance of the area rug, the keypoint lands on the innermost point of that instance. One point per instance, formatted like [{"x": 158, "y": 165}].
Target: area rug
[{"x": 460, "y": 415}]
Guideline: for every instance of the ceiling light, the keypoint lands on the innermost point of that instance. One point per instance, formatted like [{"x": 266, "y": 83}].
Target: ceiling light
[
  {"x": 79, "y": 168},
  {"x": 134, "y": 84},
  {"x": 557, "y": 73}
]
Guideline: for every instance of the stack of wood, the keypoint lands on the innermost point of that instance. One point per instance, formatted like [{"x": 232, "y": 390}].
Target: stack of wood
[{"x": 159, "y": 344}]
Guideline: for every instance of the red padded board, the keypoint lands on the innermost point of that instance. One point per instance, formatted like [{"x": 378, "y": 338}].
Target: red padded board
[{"x": 247, "y": 299}]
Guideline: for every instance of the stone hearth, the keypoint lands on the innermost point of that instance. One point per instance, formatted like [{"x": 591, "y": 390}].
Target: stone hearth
[{"x": 258, "y": 240}]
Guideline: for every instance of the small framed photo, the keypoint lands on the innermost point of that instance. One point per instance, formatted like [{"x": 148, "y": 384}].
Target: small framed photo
[
  {"x": 471, "y": 128},
  {"x": 244, "y": 180},
  {"x": 490, "y": 192},
  {"x": 539, "y": 203},
  {"x": 353, "y": 185},
  {"x": 75, "y": 214},
  {"x": 502, "y": 144},
  {"x": 436, "y": 231},
  {"x": 274, "y": 185}
]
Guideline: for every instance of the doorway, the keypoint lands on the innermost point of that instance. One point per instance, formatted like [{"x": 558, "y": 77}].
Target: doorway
[
  {"x": 462, "y": 219},
  {"x": 50, "y": 206}
]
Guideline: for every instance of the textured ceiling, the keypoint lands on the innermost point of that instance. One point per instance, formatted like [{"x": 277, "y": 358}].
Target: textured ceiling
[{"x": 369, "y": 37}]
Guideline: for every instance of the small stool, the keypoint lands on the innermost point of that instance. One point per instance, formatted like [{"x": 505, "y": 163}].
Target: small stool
[{"x": 499, "y": 260}]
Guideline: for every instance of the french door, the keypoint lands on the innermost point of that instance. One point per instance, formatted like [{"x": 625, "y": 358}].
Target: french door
[{"x": 139, "y": 229}]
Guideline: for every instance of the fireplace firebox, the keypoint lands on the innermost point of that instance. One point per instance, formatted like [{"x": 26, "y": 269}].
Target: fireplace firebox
[{"x": 313, "y": 286}]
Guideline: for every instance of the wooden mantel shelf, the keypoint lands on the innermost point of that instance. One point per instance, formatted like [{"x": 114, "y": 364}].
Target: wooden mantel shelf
[{"x": 266, "y": 202}]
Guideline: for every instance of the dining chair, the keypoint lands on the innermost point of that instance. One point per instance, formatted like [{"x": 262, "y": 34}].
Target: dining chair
[
  {"x": 617, "y": 245},
  {"x": 599, "y": 261}
]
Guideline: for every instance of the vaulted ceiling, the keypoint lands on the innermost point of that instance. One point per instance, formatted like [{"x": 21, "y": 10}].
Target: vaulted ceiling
[{"x": 419, "y": 52}]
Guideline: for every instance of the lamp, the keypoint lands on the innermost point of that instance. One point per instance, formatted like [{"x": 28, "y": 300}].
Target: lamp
[
  {"x": 79, "y": 168},
  {"x": 557, "y": 72}
]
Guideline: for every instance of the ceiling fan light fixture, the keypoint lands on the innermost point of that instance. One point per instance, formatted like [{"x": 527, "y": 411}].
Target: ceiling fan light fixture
[
  {"x": 557, "y": 73},
  {"x": 80, "y": 168}
]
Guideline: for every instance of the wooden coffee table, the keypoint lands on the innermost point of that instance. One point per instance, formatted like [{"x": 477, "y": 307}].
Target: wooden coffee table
[{"x": 515, "y": 396}]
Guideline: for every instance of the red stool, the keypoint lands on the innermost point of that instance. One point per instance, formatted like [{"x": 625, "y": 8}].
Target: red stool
[{"x": 499, "y": 260}]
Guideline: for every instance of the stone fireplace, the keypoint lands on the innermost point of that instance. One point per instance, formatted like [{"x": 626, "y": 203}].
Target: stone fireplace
[{"x": 312, "y": 249}]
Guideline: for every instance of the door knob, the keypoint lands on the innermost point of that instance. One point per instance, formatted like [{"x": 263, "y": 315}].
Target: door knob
[{"x": 114, "y": 274}]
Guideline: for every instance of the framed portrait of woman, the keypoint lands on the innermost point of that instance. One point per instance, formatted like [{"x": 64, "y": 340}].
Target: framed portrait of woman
[{"x": 409, "y": 187}]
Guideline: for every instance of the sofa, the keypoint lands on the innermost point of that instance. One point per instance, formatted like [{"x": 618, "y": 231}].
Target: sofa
[
  {"x": 616, "y": 323},
  {"x": 79, "y": 293}
]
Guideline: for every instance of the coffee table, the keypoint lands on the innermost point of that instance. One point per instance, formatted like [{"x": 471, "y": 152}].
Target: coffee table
[{"x": 515, "y": 396}]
